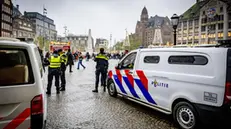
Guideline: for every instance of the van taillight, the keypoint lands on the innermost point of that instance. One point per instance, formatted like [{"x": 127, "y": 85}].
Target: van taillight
[
  {"x": 227, "y": 92},
  {"x": 37, "y": 105}
]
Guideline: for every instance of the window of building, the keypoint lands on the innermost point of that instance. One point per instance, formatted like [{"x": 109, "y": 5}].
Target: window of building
[
  {"x": 204, "y": 20},
  {"x": 229, "y": 25},
  {"x": 221, "y": 9},
  {"x": 151, "y": 59},
  {"x": 185, "y": 23},
  {"x": 220, "y": 26},
  {"x": 196, "y": 22},
  {"x": 212, "y": 27},
  {"x": 7, "y": 2},
  {"x": 229, "y": 15},
  {"x": 220, "y": 17},
  {"x": 188, "y": 60},
  {"x": 190, "y": 23},
  {"x": 203, "y": 28}
]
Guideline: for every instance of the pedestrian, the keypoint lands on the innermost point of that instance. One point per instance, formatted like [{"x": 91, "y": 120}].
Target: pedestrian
[
  {"x": 54, "y": 70},
  {"x": 70, "y": 61},
  {"x": 101, "y": 68},
  {"x": 87, "y": 56},
  {"x": 80, "y": 61},
  {"x": 63, "y": 69}
]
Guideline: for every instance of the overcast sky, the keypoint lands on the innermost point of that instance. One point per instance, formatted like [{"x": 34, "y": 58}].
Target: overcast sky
[{"x": 102, "y": 16}]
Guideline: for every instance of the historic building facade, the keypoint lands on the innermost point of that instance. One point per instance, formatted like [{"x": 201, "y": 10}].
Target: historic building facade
[
  {"x": 205, "y": 22},
  {"x": 22, "y": 26},
  {"x": 155, "y": 30},
  {"x": 44, "y": 26},
  {"x": 6, "y": 11},
  {"x": 101, "y": 43},
  {"x": 78, "y": 42}
]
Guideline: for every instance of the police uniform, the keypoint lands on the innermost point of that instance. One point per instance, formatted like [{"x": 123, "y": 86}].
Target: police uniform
[
  {"x": 101, "y": 68},
  {"x": 54, "y": 70},
  {"x": 63, "y": 69}
]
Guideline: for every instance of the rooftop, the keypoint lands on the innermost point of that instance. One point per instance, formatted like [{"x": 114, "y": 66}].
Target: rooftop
[{"x": 194, "y": 10}]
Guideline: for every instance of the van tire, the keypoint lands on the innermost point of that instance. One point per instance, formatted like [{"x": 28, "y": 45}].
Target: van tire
[
  {"x": 111, "y": 88},
  {"x": 185, "y": 115}
]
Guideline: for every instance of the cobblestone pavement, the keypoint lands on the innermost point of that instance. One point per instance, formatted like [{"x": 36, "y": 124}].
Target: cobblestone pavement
[{"x": 79, "y": 108}]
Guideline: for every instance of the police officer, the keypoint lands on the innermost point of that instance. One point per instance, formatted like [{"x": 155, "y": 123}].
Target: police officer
[
  {"x": 54, "y": 70},
  {"x": 63, "y": 58},
  {"x": 101, "y": 68}
]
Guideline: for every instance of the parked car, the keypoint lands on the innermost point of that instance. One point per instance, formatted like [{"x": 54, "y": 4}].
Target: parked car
[
  {"x": 192, "y": 84},
  {"x": 22, "y": 94}
]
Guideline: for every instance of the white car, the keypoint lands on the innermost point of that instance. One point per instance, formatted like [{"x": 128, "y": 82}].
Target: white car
[
  {"x": 192, "y": 84},
  {"x": 23, "y": 103}
]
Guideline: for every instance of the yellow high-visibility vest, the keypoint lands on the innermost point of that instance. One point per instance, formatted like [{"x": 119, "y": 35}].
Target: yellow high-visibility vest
[
  {"x": 55, "y": 62},
  {"x": 63, "y": 58},
  {"x": 102, "y": 56}
]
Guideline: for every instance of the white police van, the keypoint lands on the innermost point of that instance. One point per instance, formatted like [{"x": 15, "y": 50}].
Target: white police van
[
  {"x": 192, "y": 84},
  {"x": 23, "y": 103}
]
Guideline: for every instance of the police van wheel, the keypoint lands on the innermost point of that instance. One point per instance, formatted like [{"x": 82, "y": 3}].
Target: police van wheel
[
  {"x": 111, "y": 88},
  {"x": 185, "y": 115}
]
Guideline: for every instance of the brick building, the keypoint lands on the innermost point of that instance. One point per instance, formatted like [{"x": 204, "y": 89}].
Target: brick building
[{"x": 154, "y": 30}]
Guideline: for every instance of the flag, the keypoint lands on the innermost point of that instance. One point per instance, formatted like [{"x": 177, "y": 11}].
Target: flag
[{"x": 44, "y": 11}]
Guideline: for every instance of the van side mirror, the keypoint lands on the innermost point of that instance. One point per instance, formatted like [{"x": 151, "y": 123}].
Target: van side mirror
[{"x": 118, "y": 66}]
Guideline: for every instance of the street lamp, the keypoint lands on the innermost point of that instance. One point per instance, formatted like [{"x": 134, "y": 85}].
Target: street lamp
[{"x": 175, "y": 21}]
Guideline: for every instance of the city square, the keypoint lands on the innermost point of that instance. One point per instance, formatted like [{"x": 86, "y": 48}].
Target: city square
[{"x": 152, "y": 64}]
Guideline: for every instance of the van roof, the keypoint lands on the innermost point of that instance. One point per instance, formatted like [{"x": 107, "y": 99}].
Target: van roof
[
  {"x": 199, "y": 49},
  {"x": 16, "y": 43}
]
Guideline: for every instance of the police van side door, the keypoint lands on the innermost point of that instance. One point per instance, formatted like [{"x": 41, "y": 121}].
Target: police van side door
[
  {"x": 147, "y": 63},
  {"x": 124, "y": 73}
]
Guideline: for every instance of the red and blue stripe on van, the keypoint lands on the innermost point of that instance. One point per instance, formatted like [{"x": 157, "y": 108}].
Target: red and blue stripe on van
[{"x": 142, "y": 83}]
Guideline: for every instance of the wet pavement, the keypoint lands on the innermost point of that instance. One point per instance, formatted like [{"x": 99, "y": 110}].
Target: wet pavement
[{"x": 79, "y": 108}]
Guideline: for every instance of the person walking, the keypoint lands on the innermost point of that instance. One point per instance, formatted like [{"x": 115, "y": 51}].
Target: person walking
[
  {"x": 101, "y": 68},
  {"x": 70, "y": 61},
  {"x": 63, "y": 69},
  {"x": 54, "y": 70},
  {"x": 87, "y": 56},
  {"x": 80, "y": 61}
]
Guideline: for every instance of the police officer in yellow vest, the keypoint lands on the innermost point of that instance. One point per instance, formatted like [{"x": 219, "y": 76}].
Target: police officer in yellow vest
[
  {"x": 54, "y": 70},
  {"x": 63, "y": 69},
  {"x": 101, "y": 68}
]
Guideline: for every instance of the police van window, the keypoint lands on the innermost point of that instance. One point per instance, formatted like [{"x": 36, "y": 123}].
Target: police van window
[
  {"x": 152, "y": 59},
  {"x": 16, "y": 67},
  {"x": 188, "y": 60},
  {"x": 128, "y": 62},
  {"x": 38, "y": 58}
]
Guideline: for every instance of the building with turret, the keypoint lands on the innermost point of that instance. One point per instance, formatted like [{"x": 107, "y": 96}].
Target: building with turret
[{"x": 154, "y": 30}]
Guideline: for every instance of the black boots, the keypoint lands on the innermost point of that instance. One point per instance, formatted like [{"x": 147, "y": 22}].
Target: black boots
[{"x": 96, "y": 91}]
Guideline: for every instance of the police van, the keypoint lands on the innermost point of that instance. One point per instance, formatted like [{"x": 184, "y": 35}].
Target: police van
[
  {"x": 23, "y": 103},
  {"x": 192, "y": 84}
]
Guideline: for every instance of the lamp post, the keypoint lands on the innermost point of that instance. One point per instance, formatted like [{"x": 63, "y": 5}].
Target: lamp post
[{"x": 175, "y": 21}]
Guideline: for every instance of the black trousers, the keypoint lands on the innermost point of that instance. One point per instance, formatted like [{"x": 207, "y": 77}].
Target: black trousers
[
  {"x": 63, "y": 79},
  {"x": 103, "y": 78},
  {"x": 51, "y": 73},
  {"x": 70, "y": 67}
]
